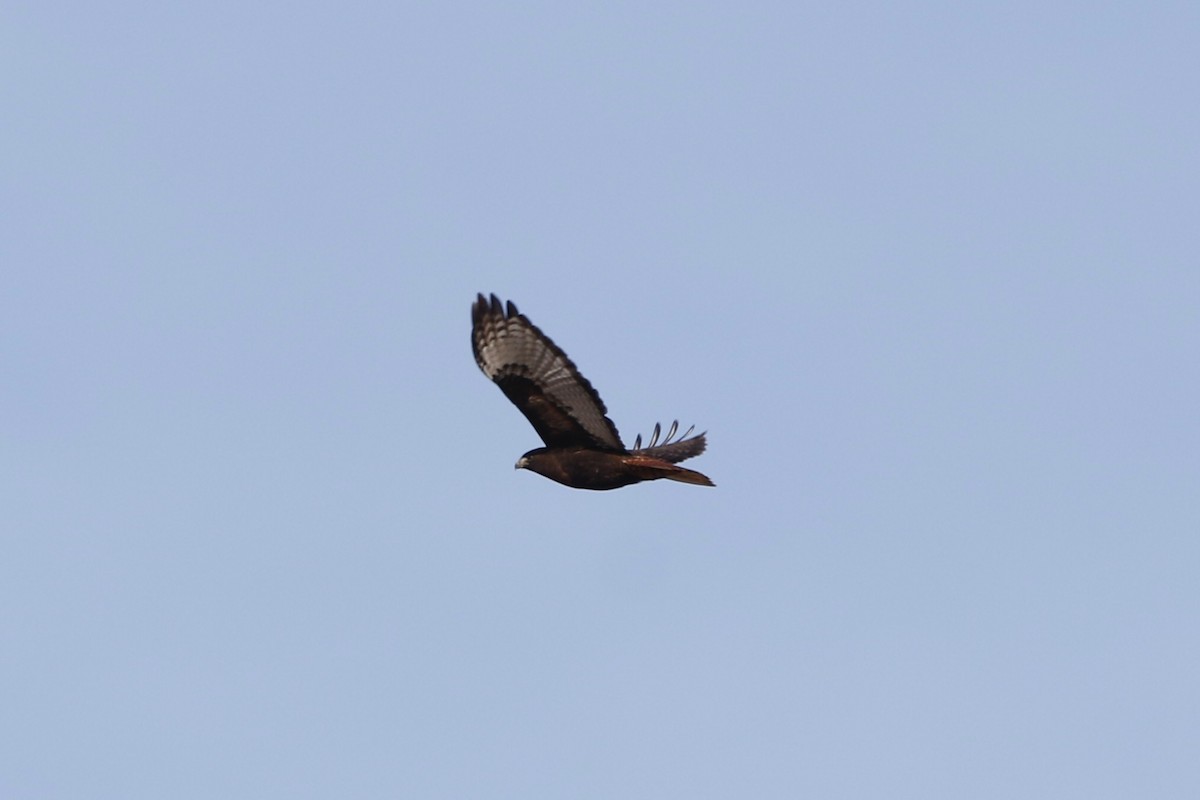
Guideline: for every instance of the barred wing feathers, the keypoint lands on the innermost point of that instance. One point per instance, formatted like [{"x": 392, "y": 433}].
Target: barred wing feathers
[{"x": 539, "y": 378}]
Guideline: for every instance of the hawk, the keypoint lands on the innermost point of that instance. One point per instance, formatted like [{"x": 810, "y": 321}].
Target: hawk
[{"x": 583, "y": 449}]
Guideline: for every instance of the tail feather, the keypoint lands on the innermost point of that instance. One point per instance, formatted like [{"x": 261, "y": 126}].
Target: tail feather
[
  {"x": 689, "y": 476},
  {"x": 649, "y": 468}
]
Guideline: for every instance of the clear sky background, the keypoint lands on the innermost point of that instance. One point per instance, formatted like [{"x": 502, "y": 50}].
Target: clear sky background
[{"x": 928, "y": 273}]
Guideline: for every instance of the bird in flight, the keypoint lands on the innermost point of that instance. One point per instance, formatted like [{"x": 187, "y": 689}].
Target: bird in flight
[{"x": 583, "y": 449}]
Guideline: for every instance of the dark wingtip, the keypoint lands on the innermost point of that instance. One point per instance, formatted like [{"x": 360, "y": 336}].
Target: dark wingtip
[
  {"x": 485, "y": 305},
  {"x": 492, "y": 305}
]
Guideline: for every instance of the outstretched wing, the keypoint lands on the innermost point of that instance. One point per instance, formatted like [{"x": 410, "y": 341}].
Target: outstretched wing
[
  {"x": 673, "y": 451},
  {"x": 536, "y": 375}
]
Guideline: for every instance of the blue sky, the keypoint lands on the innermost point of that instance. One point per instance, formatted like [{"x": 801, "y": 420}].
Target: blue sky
[{"x": 927, "y": 273}]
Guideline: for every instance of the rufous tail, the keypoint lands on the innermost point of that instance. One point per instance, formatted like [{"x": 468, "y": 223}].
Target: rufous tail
[{"x": 688, "y": 476}]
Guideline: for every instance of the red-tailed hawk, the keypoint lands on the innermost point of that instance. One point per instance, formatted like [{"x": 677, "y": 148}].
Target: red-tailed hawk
[{"x": 583, "y": 448}]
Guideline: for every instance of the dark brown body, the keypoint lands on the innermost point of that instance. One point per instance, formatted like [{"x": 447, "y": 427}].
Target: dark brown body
[
  {"x": 583, "y": 449},
  {"x": 583, "y": 468}
]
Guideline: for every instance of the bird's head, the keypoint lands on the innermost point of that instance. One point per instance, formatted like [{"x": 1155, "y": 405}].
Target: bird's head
[{"x": 532, "y": 460}]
